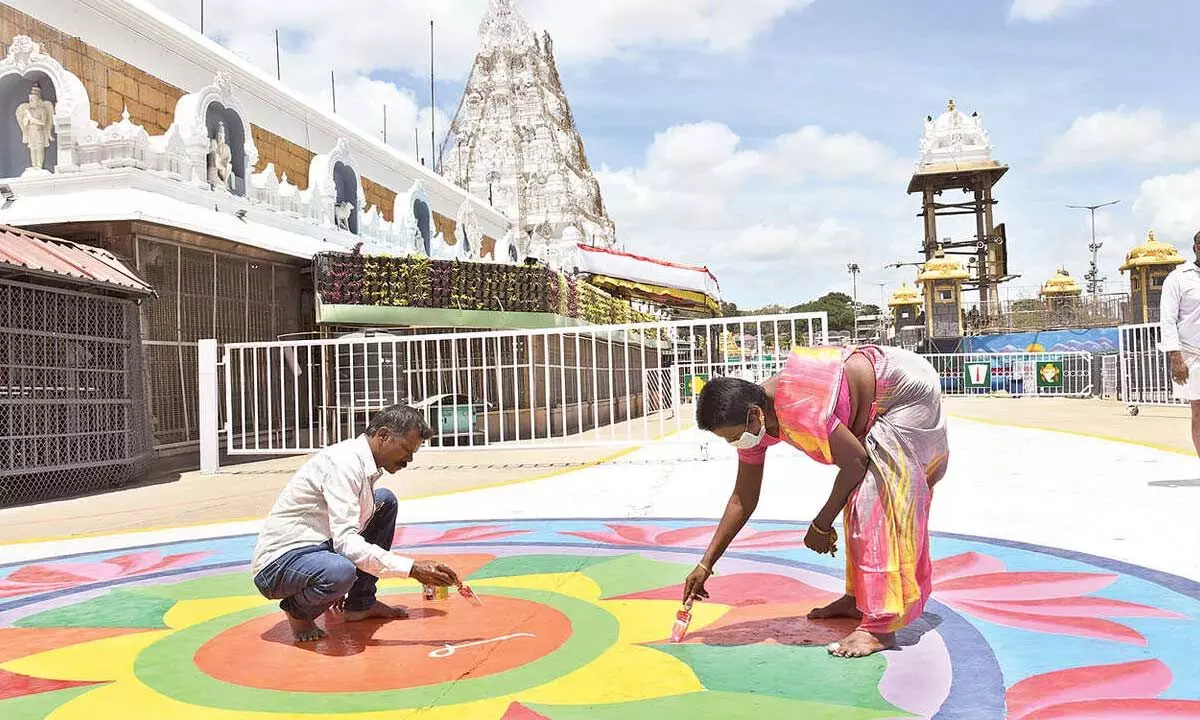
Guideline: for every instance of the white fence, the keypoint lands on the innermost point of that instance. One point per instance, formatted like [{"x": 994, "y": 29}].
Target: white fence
[
  {"x": 1145, "y": 374},
  {"x": 1054, "y": 374},
  {"x": 592, "y": 385}
]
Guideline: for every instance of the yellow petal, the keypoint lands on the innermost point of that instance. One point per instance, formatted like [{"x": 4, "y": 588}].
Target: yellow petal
[
  {"x": 192, "y": 612},
  {"x": 100, "y": 660},
  {"x": 575, "y": 585},
  {"x": 647, "y": 621},
  {"x": 623, "y": 673}
]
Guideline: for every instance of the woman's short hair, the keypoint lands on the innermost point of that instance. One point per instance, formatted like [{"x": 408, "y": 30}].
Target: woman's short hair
[{"x": 726, "y": 401}]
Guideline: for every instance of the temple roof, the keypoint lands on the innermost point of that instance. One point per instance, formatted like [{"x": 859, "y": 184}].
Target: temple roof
[
  {"x": 1062, "y": 284},
  {"x": 942, "y": 268},
  {"x": 955, "y": 143},
  {"x": 504, "y": 27},
  {"x": 1152, "y": 252},
  {"x": 904, "y": 296}
]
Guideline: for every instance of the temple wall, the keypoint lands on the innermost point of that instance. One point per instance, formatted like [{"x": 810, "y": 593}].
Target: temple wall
[{"x": 147, "y": 67}]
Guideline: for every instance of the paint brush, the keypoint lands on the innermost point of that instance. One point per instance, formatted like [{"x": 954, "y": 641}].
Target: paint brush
[
  {"x": 469, "y": 594},
  {"x": 683, "y": 618}
]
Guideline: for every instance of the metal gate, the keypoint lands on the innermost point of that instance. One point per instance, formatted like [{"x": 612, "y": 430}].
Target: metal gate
[
  {"x": 1145, "y": 374},
  {"x": 563, "y": 387}
]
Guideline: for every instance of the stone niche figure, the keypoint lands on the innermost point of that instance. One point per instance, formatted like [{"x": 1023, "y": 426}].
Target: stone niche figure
[
  {"x": 220, "y": 161},
  {"x": 341, "y": 214},
  {"x": 36, "y": 120}
]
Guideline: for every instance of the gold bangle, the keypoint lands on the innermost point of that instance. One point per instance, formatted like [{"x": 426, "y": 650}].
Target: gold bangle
[
  {"x": 817, "y": 527},
  {"x": 707, "y": 569}
]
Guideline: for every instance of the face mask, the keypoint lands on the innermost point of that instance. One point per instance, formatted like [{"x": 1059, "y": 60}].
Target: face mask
[{"x": 750, "y": 440}]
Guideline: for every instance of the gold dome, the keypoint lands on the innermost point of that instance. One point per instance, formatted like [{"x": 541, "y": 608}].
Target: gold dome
[
  {"x": 942, "y": 268},
  {"x": 904, "y": 296},
  {"x": 1152, "y": 252},
  {"x": 1061, "y": 285}
]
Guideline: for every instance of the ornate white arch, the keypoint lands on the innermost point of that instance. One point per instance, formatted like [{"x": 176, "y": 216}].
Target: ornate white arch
[
  {"x": 73, "y": 124},
  {"x": 404, "y": 215},
  {"x": 323, "y": 185},
  {"x": 470, "y": 236},
  {"x": 191, "y": 117}
]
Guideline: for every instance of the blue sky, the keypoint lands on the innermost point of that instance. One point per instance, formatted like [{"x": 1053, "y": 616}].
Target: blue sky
[{"x": 772, "y": 139}]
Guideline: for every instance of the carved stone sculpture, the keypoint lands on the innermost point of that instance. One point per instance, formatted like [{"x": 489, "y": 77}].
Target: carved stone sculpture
[
  {"x": 341, "y": 214},
  {"x": 36, "y": 120},
  {"x": 220, "y": 161}
]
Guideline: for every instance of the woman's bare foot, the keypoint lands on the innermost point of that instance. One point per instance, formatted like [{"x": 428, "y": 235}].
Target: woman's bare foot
[
  {"x": 305, "y": 630},
  {"x": 843, "y": 607},
  {"x": 861, "y": 643},
  {"x": 378, "y": 611}
]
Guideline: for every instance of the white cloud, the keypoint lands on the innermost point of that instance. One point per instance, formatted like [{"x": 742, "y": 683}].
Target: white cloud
[
  {"x": 1143, "y": 136},
  {"x": 776, "y": 222},
  {"x": 1044, "y": 10},
  {"x": 1168, "y": 204}
]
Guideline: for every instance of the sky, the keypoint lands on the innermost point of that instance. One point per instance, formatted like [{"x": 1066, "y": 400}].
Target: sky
[{"x": 772, "y": 140}]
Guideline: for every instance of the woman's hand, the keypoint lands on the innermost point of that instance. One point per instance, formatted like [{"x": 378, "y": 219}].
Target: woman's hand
[
  {"x": 693, "y": 587},
  {"x": 821, "y": 541}
]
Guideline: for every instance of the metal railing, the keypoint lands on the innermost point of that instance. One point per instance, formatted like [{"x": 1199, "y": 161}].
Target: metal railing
[
  {"x": 582, "y": 386},
  {"x": 1145, "y": 374},
  {"x": 1083, "y": 312},
  {"x": 1047, "y": 374}
]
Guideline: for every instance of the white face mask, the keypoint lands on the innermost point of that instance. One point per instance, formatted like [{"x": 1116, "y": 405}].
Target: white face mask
[{"x": 748, "y": 440}]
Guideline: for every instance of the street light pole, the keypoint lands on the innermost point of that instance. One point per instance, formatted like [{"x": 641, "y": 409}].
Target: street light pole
[
  {"x": 1093, "y": 273},
  {"x": 853, "y": 268}
]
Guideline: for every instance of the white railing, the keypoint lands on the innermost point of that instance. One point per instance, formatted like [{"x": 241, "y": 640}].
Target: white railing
[
  {"x": 1145, "y": 374},
  {"x": 1045, "y": 374},
  {"x": 1110, "y": 373},
  {"x": 592, "y": 385}
]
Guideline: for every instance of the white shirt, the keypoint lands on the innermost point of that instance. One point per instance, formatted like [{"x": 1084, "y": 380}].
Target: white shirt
[
  {"x": 331, "y": 497},
  {"x": 1179, "y": 310}
]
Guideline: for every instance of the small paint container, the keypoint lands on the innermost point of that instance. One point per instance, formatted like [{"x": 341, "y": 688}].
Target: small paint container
[
  {"x": 427, "y": 592},
  {"x": 441, "y": 592},
  {"x": 683, "y": 618}
]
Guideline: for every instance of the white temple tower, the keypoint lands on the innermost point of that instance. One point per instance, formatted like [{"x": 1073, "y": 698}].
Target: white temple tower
[{"x": 514, "y": 141}]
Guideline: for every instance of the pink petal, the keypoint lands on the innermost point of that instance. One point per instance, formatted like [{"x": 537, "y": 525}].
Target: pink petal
[
  {"x": 171, "y": 562},
  {"x": 406, "y": 535},
  {"x": 71, "y": 573},
  {"x": 1022, "y": 586},
  {"x": 478, "y": 532},
  {"x": 684, "y": 537},
  {"x": 968, "y": 563},
  {"x": 602, "y": 538},
  {"x": 1078, "y": 607},
  {"x": 135, "y": 563},
  {"x": 1141, "y": 709},
  {"x": 770, "y": 539},
  {"x": 1141, "y": 679},
  {"x": 641, "y": 535},
  {"x": 1074, "y": 626}
]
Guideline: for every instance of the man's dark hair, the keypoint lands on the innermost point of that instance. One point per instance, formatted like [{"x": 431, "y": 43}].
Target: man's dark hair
[
  {"x": 399, "y": 420},
  {"x": 726, "y": 401},
  {"x": 1196, "y": 237}
]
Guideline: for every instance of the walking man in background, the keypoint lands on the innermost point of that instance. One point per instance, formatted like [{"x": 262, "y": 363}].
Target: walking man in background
[
  {"x": 328, "y": 539},
  {"x": 1180, "y": 317}
]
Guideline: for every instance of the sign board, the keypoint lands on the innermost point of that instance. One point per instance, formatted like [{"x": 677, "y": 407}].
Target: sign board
[
  {"x": 977, "y": 375},
  {"x": 1050, "y": 374}
]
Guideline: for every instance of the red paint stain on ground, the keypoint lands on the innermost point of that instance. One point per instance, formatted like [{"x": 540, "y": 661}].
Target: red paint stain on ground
[
  {"x": 372, "y": 656},
  {"x": 13, "y": 685}
]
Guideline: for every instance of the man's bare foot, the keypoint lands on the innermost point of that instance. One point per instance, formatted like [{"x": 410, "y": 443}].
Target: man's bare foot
[
  {"x": 843, "y": 607},
  {"x": 378, "y": 611},
  {"x": 305, "y": 630},
  {"x": 861, "y": 643}
]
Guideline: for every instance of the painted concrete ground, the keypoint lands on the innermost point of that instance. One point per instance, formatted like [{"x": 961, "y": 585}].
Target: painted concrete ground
[
  {"x": 578, "y": 611},
  {"x": 575, "y": 624}
]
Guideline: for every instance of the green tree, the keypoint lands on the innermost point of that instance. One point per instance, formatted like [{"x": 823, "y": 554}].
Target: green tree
[{"x": 836, "y": 304}]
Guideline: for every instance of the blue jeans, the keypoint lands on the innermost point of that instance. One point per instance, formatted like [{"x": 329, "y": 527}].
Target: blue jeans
[{"x": 309, "y": 580}]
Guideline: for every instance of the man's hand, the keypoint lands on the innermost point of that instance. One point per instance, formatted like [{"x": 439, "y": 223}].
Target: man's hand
[
  {"x": 428, "y": 572},
  {"x": 693, "y": 587},
  {"x": 1179, "y": 369}
]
